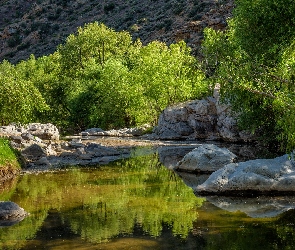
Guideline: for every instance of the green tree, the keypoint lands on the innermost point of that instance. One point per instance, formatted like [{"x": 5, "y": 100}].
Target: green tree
[
  {"x": 249, "y": 61},
  {"x": 19, "y": 98}
]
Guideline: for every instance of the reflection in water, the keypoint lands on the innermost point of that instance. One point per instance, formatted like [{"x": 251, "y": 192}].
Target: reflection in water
[
  {"x": 257, "y": 207},
  {"x": 130, "y": 204}
]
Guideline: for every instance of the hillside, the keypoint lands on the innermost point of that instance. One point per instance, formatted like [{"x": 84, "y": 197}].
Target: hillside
[{"x": 38, "y": 27}]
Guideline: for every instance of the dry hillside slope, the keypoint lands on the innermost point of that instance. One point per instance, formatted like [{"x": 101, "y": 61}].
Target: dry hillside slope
[{"x": 37, "y": 27}]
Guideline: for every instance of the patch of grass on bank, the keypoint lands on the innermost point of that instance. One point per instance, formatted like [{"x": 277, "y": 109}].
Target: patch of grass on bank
[{"x": 8, "y": 156}]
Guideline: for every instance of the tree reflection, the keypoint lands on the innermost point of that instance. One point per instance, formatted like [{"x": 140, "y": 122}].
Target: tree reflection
[{"x": 104, "y": 202}]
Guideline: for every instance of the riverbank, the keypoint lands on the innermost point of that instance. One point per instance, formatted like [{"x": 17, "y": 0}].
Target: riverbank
[{"x": 9, "y": 161}]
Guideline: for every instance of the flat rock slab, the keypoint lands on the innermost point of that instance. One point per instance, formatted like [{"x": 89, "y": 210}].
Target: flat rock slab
[{"x": 267, "y": 176}]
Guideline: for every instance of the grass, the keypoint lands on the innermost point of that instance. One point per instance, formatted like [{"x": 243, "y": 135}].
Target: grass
[{"x": 8, "y": 156}]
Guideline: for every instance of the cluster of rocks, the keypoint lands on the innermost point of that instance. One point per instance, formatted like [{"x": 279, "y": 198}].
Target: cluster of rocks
[
  {"x": 41, "y": 148},
  {"x": 33, "y": 131},
  {"x": 259, "y": 176},
  {"x": 201, "y": 119},
  {"x": 72, "y": 153},
  {"x": 124, "y": 132}
]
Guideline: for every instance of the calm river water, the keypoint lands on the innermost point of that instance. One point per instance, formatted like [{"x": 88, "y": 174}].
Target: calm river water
[{"x": 139, "y": 203}]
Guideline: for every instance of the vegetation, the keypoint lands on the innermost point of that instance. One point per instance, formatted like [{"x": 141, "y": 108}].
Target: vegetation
[
  {"x": 253, "y": 61},
  {"x": 100, "y": 78},
  {"x": 9, "y": 163}
]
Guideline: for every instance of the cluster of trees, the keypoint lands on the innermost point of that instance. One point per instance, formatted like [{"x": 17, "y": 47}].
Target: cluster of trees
[
  {"x": 254, "y": 62},
  {"x": 99, "y": 78},
  {"x": 102, "y": 78}
]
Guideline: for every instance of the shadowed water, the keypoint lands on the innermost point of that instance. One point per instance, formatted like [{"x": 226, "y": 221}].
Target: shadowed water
[{"x": 136, "y": 203}]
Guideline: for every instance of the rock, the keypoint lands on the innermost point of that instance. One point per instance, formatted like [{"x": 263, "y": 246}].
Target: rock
[
  {"x": 201, "y": 119},
  {"x": 27, "y": 136},
  {"x": 124, "y": 132},
  {"x": 43, "y": 161},
  {"x": 31, "y": 131},
  {"x": 206, "y": 158},
  {"x": 99, "y": 150},
  {"x": 170, "y": 156},
  {"x": 258, "y": 207},
  {"x": 92, "y": 132},
  {"x": 33, "y": 152},
  {"x": 266, "y": 176},
  {"x": 16, "y": 139},
  {"x": 43, "y": 131},
  {"x": 11, "y": 212}
]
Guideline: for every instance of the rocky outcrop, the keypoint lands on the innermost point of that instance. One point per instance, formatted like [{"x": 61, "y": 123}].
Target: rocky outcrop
[
  {"x": 266, "y": 176},
  {"x": 31, "y": 131},
  {"x": 201, "y": 119},
  {"x": 206, "y": 158},
  {"x": 11, "y": 213},
  {"x": 73, "y": 153}
]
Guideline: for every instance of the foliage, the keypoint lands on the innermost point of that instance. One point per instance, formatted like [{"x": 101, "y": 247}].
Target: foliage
[
  {"x": 100, "y": 78},
  {"x": 20, "y": 99},
  {"x": 253, "y": 63}
]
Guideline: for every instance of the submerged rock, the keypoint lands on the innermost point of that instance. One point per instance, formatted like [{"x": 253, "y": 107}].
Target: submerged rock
[
  {"x": 256, "y": 176},
  {"x": 206, "y": 158}
]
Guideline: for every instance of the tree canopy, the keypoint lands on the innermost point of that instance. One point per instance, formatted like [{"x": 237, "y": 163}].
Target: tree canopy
[{"x": 253, "y": 61}]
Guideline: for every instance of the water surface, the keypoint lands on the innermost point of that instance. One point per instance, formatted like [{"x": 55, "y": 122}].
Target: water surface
[{"x": 132, "y": 204}]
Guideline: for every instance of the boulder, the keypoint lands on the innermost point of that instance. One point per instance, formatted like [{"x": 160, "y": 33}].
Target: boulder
[
  {"x": 43, "y": 131},
  {"x": 207, "y": 118},
  {"x": 267, "y": 176},
  {"x": 169, "y": 156},
  {"x": 33, "y": 152},
  {"x": 11, "y": 213},
  {"x": 206, "y": 158}
]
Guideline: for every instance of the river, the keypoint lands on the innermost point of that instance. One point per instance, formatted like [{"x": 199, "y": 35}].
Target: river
[{"x": 138, "y": 203}]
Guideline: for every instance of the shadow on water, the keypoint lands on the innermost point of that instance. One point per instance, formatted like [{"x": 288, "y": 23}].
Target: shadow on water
[{"x": 137, "y": 203}]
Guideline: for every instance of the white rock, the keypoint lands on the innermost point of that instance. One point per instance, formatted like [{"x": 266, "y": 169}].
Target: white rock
[
  {"x": 261, "y": 175},
  {"x": 206, "y": 158}
]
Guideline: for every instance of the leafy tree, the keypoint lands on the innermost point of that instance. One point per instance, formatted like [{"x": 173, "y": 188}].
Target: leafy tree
[
  {"x": 250, "y": 62},
  {"x": 19, "y": 98},
  {"x": 93, "y": 44}
]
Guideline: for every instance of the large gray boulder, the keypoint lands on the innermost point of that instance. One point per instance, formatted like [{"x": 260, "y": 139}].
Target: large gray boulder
[
  {"x": 207, "y": 118},
  {"x": 11, "y": 213},
  {"x": 258, "y": 176},
  {"x": 206, "y": 158}
]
